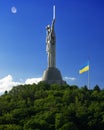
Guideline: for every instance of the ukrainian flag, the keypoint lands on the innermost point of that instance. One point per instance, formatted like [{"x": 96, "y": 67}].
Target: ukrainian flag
[{"x": 84, "y": 68}]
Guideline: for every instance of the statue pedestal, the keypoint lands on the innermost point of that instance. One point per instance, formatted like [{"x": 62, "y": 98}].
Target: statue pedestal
[{"x": 52, "y": 76}]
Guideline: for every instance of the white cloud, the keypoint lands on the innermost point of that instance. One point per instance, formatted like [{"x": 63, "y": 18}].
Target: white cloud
[
  {"x": 70, "y": 78},
  {"x": 33, "y": 80},
  {"x": 7, "y": 83}
]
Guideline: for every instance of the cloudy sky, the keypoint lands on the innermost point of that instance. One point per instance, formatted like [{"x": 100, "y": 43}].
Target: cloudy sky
[{"x": 80, "y": 36}]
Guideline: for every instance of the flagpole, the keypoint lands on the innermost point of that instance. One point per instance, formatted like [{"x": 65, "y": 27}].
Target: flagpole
[
  {"x": 84, "y": 69},
  {"x": 89, "y": 77}
]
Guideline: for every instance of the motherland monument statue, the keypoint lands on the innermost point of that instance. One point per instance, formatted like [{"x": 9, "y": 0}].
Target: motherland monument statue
[
  {"x": 51, "y": 75},
  {"x": 51, "y": 44}
]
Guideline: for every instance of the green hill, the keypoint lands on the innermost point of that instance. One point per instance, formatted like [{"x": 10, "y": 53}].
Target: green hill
[{"x": 52, "y": 107}]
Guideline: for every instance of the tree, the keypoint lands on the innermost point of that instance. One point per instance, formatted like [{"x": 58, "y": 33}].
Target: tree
[
  {"x": 97, "y": 88},
  {"x": 69, "y": 126}
]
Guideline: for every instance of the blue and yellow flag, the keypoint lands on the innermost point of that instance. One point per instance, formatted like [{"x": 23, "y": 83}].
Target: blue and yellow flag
[{"x": 84, "y": 68}]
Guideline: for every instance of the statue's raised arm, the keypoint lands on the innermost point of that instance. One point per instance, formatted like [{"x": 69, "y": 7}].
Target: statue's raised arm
[{"x": 53, "y": 24}]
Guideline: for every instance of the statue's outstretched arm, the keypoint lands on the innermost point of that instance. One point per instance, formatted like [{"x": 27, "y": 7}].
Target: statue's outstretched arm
[{"x": 53, "y": 23}]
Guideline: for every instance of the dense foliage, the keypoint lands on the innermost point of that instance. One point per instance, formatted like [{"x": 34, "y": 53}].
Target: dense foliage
[{"x": 52, "y": 107}]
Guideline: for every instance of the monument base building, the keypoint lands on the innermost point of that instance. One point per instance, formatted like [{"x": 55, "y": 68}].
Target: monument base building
[{"x": 52, "y": 76}]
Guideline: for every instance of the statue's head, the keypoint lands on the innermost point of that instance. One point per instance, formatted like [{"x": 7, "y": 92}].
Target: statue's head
[{"x": 48, "y": 27}]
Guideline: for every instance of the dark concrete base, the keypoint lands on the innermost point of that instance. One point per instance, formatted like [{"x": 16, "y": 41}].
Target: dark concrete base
[{"x": 52, "y": 76}]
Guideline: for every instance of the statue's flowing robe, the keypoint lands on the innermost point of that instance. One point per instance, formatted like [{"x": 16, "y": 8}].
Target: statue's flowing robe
[{"x": 51, "y": 47}]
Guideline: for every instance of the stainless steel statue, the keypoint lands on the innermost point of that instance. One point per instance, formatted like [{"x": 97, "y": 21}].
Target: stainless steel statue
[
  {"x": 52, "y": 75},
  {"x": 51, "y": 43}
]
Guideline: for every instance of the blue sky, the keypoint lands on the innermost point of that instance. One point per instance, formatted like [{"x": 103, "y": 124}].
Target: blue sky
[{"x": 79, "y": 31}]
